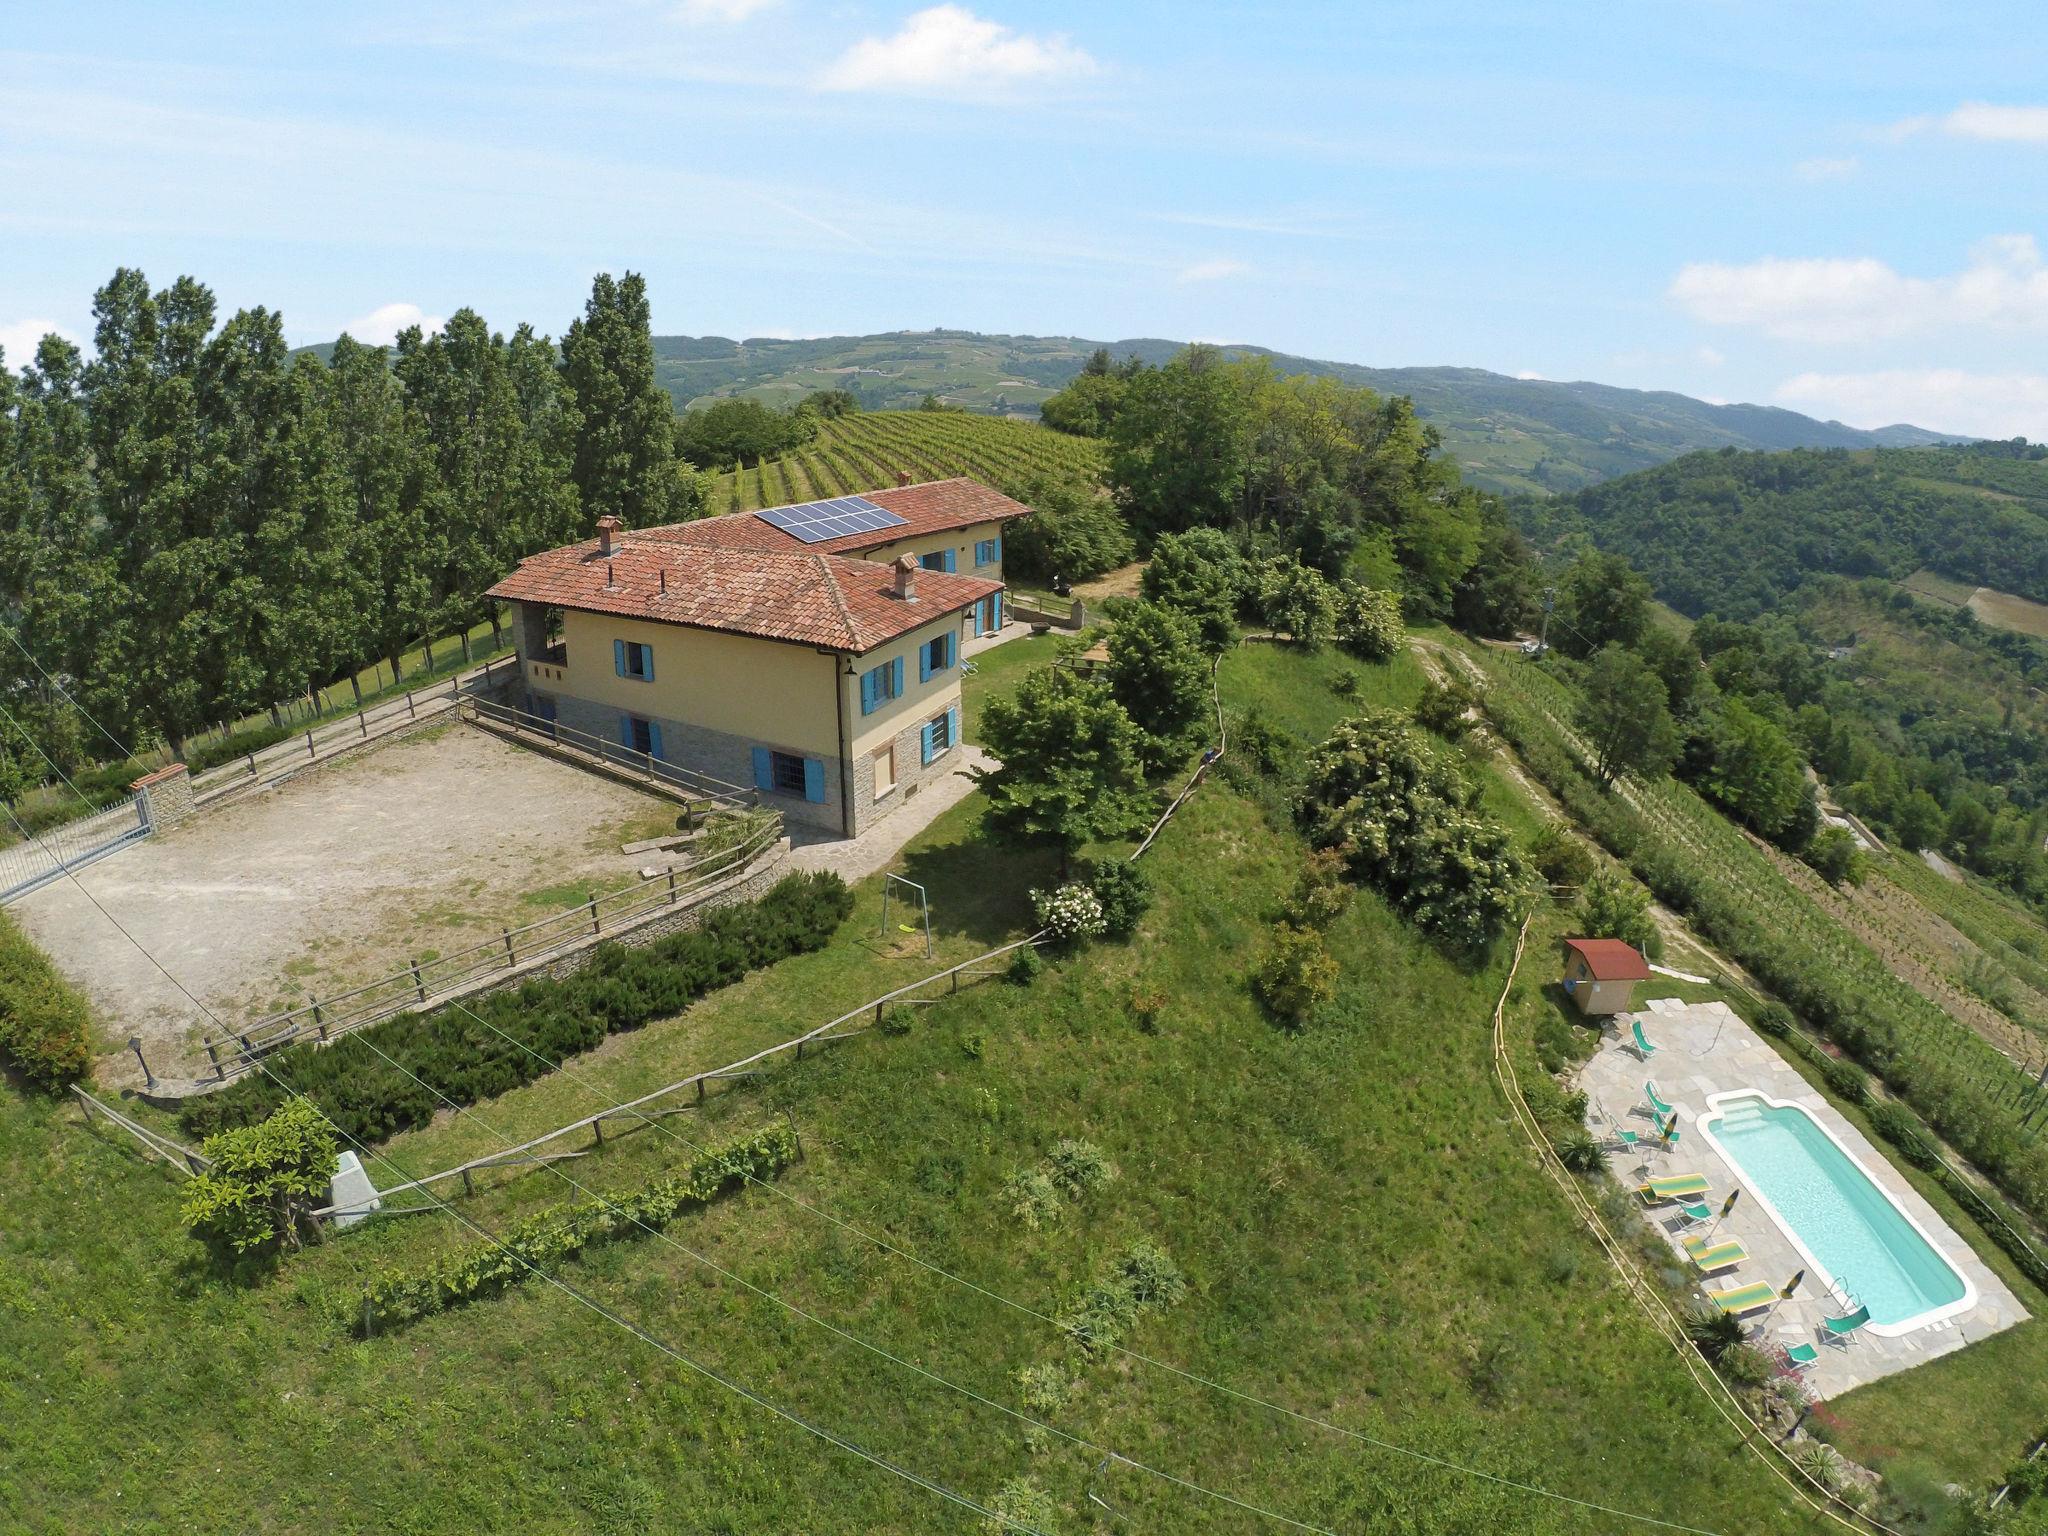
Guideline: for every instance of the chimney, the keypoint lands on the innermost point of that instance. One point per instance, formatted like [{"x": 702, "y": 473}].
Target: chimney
[
  {"x": 608, "y": 535},
  {"x": 903, "y": 477},
  {"x": 904, "y": 568}
]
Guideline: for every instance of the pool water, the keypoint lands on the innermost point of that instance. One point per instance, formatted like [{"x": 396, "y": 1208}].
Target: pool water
[{"x": 1848, "y": 1228}]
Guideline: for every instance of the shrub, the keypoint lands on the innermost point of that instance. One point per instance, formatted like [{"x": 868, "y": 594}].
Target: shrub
[
  {"x": 1579, "y": 1151},
  {"x": 1021, "y": 1503},
  {"x": 1297, "y": 600},
  {"x": 1079, "y": 1166},
  {"x": 1033, "y": 1197},
  {"x": 560, "y": 1232},
  {"x": 45, "y": 1025},
  {"x": 1070, "y": 915},
  {"x": 264, "y": 1181},
  {"x": 1346, "y": 684},
  {"x": 465, "y": 1052},
  {"x": 1562, "y": 858},
  {"x": 1845, "y": 1079},
  {"x": 1148, "y": 1006},
  {"x": 1896, "y": 1125},
  {"x": 1143, "y": 1281},
  {"x": 1774, "y": 1019},
  {"x": 1025, "y": 965},
  {"x": 1048, "y": 1387},
  {"x": 1320, "y": 894},
  {"x": 1443, "y": 708},
  {"x": 1039, "y": 1195},
  {"x": 1296, "y": 974},
  {"x": 1744, "y": 1365},
  {"x": 1612, "y": 906},
  {"x": 1124, "y": 893},
  {"x": 1833, "y": 854},
  {"x": 1368, "y": 623}
]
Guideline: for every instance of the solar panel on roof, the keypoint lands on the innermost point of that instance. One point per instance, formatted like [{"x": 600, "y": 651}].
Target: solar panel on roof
[{"x": 815, "y": 521}]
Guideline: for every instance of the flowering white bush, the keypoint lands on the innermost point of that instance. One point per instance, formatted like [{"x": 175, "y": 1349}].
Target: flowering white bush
[{"x": 1070, "y": 914}]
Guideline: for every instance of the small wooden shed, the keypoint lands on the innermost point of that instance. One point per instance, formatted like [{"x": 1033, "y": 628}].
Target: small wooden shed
[{"x": 1600, "y": 975}]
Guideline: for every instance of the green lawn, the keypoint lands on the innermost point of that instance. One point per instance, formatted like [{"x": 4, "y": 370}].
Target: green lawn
[{"x": 1366, "y": 1236}]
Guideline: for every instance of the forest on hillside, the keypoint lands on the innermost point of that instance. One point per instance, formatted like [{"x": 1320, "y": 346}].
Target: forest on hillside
[{"x": 1734, "y": 533}]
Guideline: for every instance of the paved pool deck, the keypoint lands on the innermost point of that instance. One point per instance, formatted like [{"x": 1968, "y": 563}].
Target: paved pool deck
[{"x": 1704, "y": 1049}]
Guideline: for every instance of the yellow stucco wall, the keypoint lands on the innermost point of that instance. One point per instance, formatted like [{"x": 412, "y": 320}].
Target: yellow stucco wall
[
  {"x": 762, "y": 690},
  {"x": 959, "y": 540}
]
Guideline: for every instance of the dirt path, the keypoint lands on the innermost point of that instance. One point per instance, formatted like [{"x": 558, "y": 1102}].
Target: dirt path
[{"x": 338, "y": 877}]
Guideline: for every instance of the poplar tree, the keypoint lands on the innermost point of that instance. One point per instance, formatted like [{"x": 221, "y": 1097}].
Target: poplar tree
[{"x": 624, "y": 462}]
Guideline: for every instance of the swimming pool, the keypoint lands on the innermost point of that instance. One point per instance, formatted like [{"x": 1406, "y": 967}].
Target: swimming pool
[{"x": 1852, "y": 1234}]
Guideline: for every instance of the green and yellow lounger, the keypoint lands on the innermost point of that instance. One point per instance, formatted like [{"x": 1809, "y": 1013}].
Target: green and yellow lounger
[
  {"x": 1745, "y": 1298},
  {"x": 1709, "y": 1256},
  {"x": 1673, "y": 1186}
]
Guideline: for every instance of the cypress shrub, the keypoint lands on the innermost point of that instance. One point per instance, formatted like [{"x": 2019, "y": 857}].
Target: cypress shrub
[
  {"x": 457, "y": 1059},
  {"x": 45, "y": 1026}
]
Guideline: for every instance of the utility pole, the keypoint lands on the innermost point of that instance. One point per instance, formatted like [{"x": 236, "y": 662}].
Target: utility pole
[{"x": 1543, "y": 635}]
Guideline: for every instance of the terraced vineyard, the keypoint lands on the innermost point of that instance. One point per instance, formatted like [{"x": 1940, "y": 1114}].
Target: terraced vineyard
[
  {"x": 865, "y": 451},
  {"x": 1986, "y": 1095}
]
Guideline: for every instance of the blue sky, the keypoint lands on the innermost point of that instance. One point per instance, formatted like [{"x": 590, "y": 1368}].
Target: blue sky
[{"x": 1831, "y": 207}]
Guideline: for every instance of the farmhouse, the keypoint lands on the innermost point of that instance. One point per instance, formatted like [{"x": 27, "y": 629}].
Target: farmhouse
[
  {"x": 811, "y": 651},
  {"x": 1600, "y": 975}
]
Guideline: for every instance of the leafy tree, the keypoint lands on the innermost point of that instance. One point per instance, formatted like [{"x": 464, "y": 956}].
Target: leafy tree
[
  {"x": 1496, "y": 596},
  {"x": 1158, "y": 674},
  {"x": 1178, "y": 447},
  {"x": 1368, "y": 623},
  {"x": 1295, "y": 600},
  {"x": 623, "y": 462},
  {"x": 1757, "y": 773},
  {"x": 265, "y": 1180},
  {"x": 1073, "y": 531},
  {"x": 1672, "y": 657},
  {"x": 1199, "y": 574},
  {"x": 1834, "y": 856},
  {"x": 1612, "y": 906},
  {"x": 728, "y": 434},
  {"x": 830, "y": 404},
  {"x": 1408, "y": 822},
  {"x": 938, "y": 403},
  {"x": 1624, "y": 717},
  {"x": 1601, "y": 601},
  {"x": 1087, "y": 407},
  {"x": 1445, "y": 708},
  {"x": 1919, "y": 822},
  {"x": 1562, "y": 858},
  {"x": 1072, "y": 763}
]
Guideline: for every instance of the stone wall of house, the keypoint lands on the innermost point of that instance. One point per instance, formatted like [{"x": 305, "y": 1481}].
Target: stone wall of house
[{"x": 911, "y": 775}]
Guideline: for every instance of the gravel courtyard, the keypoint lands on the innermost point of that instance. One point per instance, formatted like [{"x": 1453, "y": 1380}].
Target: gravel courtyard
[{"x": 423, "y": 846}]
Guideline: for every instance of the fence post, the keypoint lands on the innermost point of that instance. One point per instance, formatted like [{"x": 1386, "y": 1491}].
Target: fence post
[
  {"x": 369, "y": 1316},
  {"x": 419, "y": 986},
  {"x": 410, "y": 712},
  {"x": 511, "y": 959},
  {"x": 320, "y": 1022},
  {"x": 213, "y": 1053},
  {"x": 364, "y": 721},
  {"x": 309, "y": 745},
  {"x": 467, "y": 1187},
  {"x": 672, "y": 902},
  {"x": 793, "y": 1131},
  {"x": 597, "y": 1126},
  {"x": 593, "y": 915},
  {"x": 252, "y": 765}
]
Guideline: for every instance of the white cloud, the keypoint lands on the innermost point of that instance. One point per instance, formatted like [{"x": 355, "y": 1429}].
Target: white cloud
[
  {"x": 947, "y": 50},
  {"x": 1213, "y": 270},
  {"x": 1528, "y": 373},
  {"x": 380, "y": 327},
  {"x": 1973, "y": 120},
  {"x": 728, "y": 12},
  {"x": 1713, "y": 357},
  {"x": 1942, "y": 399},
  {"x": 1862, "y": 298},
  {"x": 18, "y": 342},
  {"x": 1825, "y": 168}
]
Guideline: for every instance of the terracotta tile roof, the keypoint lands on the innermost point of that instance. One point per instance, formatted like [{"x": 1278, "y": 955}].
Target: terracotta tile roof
[
  {"x": 823, "y": 600},
  {"x": 1611, "y": 959},
  {"x": 933, "y": 507}
]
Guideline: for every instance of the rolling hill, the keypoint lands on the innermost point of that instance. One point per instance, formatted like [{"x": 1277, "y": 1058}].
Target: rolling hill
[{"x": 1532, "y": 435}]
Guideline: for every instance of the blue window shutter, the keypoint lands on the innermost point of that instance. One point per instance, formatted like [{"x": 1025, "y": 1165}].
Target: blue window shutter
[
  {"x": 896, "y": 678},
  {"x": 814, "y": 781},
  {"x": 764, "y": 774},
  {"x": 924, "y": 663},
  {"x": 950, "y": 561},
  {"x": 619, "y": 657},
  {"x": 995, "y": 602},
  {"x": 997, "y": 542},
  {"x": 953, "y": 725},
  {"x": 654, "y": 738},
  {"x": 625, "y": 730},
  {"x": 868, "y": 680},
  {"x": 647, "y": 661},
  {"x": 924, "y": 742}
]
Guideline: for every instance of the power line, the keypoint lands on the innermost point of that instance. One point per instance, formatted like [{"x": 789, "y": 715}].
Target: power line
[
  {"x": 1194, "y": 1378},
  {"x": 830, "y": 1436}
]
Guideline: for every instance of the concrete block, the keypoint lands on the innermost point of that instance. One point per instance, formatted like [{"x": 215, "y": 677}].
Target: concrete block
[{"x": 351, "y": 1194}]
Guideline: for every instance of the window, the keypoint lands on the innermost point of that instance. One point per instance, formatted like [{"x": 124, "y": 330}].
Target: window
[
  {"x": 936, "y": 737},
  {"x": 937, "y": 560},
  {"x": 632, "y": 659},
  {"x": 885, "y": 770},
  {"x": 638, "y": 735},
  {"x": 784, "y": 773},
  {"x": 878, "y": 685},
  {"x": 935, "y": 655},
  {"x": 987, "y": 551}
]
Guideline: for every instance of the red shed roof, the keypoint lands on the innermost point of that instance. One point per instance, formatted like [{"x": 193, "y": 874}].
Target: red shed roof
[
  {"x": 1610, "y": 959},
  {"x": 813, "y": 599},
  {"x": 935, "y": 506}
]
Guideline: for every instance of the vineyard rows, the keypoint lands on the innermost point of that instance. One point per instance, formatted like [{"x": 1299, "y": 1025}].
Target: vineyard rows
[{"x": 865, "y": 451}]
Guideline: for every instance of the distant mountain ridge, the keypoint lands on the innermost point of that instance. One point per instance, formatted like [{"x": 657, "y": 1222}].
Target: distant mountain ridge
[{"x": 1534, "y": 435}]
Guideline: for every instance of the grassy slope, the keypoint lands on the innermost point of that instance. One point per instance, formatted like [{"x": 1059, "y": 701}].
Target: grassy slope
[{"x": 1366, "y": 1235}]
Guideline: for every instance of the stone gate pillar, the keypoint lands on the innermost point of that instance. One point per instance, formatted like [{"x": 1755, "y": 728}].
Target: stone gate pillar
[{"x": 166, "y": 797}]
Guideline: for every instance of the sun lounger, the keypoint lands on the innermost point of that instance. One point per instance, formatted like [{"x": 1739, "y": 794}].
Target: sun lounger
[
  {"x": 1694, "y": 1213},
  {"x": 1674, "y": 1186},
  {"x": 1709, "y": 1256},
  {"x": 1744, "y": 1299},
  {"x": 1643, "y": 1047},
  {"x": 1661, "y": 1110},
  {"x": 1841, "y": 1330},
  {"x": 1798, "y": 1358}
]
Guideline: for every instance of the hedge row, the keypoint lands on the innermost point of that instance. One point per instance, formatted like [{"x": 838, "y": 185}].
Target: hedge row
[
  {"x": 45, "y": 1026},
  {"x": 449, "y": 1056},
  {"x": 560, "y": 1232},
  {"x": 1864, "y": 1026}
]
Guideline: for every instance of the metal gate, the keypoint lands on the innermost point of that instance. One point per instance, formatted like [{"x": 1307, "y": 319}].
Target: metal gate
[{"x": 45, "y": 857}]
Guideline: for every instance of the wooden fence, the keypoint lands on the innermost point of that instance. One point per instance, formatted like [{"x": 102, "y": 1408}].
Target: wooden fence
[
  {"x": 855, "y": 1021},
  {"x": 684, "y": 784},
  {"x": 422, "y": 981}
]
